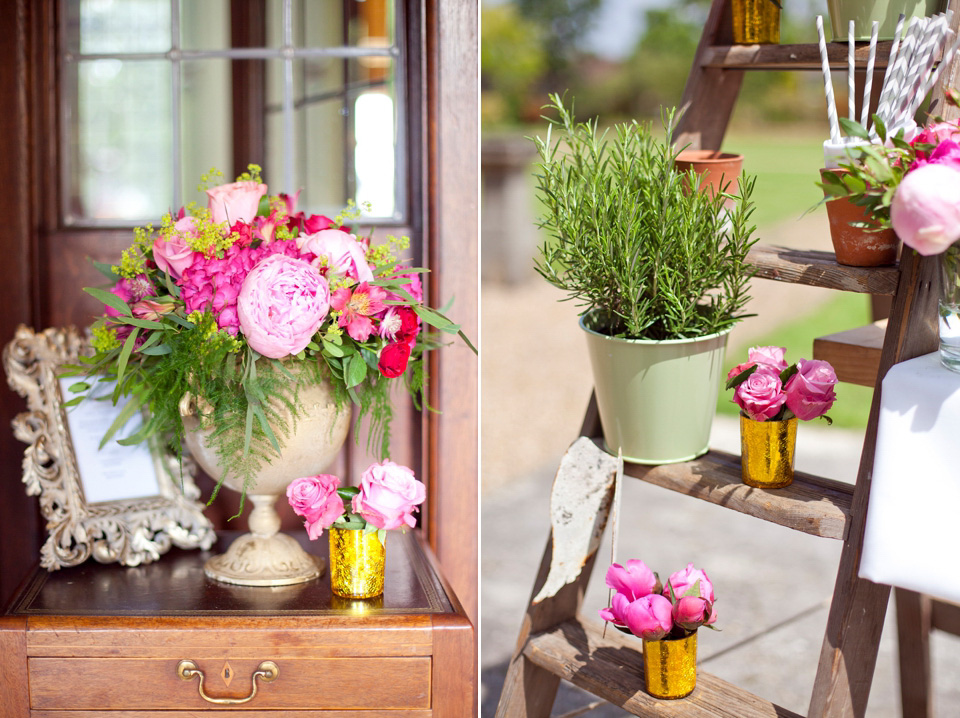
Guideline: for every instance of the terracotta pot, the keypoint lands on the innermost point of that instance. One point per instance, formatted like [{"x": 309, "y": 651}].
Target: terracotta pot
[
  {"x": 716, "y": 169},
  {"x": 857, "y": 246}
]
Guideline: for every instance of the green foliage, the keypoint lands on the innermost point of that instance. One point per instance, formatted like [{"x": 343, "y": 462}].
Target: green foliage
[
  {"x": 630, "y": 241},
  {"x": 512, "y": 59}
]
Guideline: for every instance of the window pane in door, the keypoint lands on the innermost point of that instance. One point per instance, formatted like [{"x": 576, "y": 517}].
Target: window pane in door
[
  {"x": 206, "y": 124},
  {"x": 204, "y": 24},
  {"x": 110, "y": 26},
  {"x": 118, "y": 161}
]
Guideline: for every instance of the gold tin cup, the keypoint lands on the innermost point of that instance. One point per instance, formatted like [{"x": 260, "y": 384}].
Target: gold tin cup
[
  {"x": 356, "y": 563},
  {"x": 756, "y": 22},
  {"x": 767, "y": 450},
  {"x": 670, "y": 667}
]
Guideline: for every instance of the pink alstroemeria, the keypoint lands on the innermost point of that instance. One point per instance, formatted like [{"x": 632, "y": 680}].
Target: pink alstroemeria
[{"x": 357, "y": 306}]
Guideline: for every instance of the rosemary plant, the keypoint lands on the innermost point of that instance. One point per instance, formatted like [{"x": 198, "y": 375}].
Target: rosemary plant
[{"x": 629, "y": 241}]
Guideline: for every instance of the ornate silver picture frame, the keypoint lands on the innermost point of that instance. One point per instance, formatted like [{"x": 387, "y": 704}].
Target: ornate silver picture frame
[{"x": 129, "y": 531}]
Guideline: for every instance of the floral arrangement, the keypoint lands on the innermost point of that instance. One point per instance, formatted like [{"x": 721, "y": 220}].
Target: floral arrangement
[
  {"x": 229, "y": 309},
  {"x": 387, "y": 498},
  {"x": 766, "y": 389},
  {"x": 641, "y": 605},
  {"x": 910, "y": 185}
]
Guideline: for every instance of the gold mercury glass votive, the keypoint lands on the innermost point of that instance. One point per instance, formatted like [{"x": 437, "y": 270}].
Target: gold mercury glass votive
[
  {"x": 756, "y": 22},
  {"x": 670, "y": 667},
  {"x": 767, "y": 450},
  {"x": 356, "y": 563}
]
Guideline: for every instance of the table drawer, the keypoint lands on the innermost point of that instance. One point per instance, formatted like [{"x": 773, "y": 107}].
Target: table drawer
[{"x": 301, "y": 683}]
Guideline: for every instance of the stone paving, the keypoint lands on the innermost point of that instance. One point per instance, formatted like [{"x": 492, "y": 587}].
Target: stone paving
[{"x": 773, "y": 584}]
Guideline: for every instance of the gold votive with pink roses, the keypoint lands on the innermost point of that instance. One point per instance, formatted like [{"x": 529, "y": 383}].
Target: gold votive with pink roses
[
  {"x": 767, "y": 451},
  {"x": 772, "y": 396},
  {"x": 357, "y": 560}
]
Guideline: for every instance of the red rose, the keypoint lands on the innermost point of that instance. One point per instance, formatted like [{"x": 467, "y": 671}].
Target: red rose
[{"x": 394, "y": 358}]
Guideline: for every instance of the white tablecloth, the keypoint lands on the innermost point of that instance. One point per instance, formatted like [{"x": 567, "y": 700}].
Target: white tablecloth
[{"x": 913, "y": 525}]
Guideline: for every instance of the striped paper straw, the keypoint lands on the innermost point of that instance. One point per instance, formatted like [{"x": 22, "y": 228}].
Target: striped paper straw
[
  {"x": 895, "y": 98},
  {"x": 868, "y": 82},
  {"x": 851, "y": 66},
  {"x": 828, "y": 84},
  {"x": 944, "y": 62},
  {"x": 894, "y": 48},
  {"x": 921, "y": 68}
]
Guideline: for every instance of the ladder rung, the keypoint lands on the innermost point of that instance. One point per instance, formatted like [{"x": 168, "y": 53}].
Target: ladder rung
[
  {"x": 820, "y": 269},
  {"x": 811, "y": 504},
  {"x": 791, "y": 57},
  {"x": 611, "y": 668},
  {"x": 855, "y": 353}
]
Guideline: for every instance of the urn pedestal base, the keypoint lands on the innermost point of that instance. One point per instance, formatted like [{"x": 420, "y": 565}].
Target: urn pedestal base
[{"x": 264, "y": 557}]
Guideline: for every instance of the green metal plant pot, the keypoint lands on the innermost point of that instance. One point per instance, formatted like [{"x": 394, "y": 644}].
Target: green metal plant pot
[
  {"x": 886, "y": 12},
  {"x": 656, "y": 398}
]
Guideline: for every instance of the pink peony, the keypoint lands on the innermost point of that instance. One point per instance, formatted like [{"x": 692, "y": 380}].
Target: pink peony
[
  {"x": 633, "y": 580},
  {"x": 925, "y": 212},
  {"x": 344, "y": 254},
  {"x": 173, "y": 254},
  {"x": 282, "y": 303},
  {"x": 650, "y": 617},
  {"x": 682, "y": 581},
  {"x": 809, "y": 392},
  {"x": 357, "y": 307},
  {"x": 691, "y": 612},
  {"x": 617, "y": 613},
  {"x": 946, "y": 153},
  {"x": 760, "y": 396},
  {"x": 935, "y": 134},
  {"x": 768, "y": 356},
  {"x": 389, "y": 494},
  {"x": 235, "y": 202},
  {"x": 315, "y": 498}
]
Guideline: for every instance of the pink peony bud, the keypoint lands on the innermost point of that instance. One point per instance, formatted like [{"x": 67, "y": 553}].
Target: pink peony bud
[
  {"x": 634, "y": 580},
  {"x": 682, "y": 582},
  {"x": 617, "y": 613},
  {"x": 650, "y": 617},
  {"x": 769, "y": 356},
  {"x": 810, "y": 392},
  {"x": 925, "y": 212},
  {"x": 691, "y": 612},
  {"x": 761, "y": 395}
]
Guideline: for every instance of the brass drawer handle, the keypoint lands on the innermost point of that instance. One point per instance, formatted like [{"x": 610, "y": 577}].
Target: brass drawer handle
[{"x": 267, "y": 670}]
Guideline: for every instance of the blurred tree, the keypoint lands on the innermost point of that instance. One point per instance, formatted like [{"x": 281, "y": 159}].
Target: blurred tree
[
  {"x": 564, "y": 23},
  {"x": 512, "y": 59}
]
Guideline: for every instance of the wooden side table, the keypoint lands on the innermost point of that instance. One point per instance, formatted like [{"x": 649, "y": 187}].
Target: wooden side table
[{"x": 99, "y": 638}]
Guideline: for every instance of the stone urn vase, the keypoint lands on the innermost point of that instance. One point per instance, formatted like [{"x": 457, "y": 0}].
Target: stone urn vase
[{"x": 264, "y": 557}]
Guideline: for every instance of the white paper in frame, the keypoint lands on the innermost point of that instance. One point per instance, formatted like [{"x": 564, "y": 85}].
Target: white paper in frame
[{"x": 92, "y": 510}]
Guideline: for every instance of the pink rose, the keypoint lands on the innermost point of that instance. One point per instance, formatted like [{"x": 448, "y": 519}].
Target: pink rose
[
  {"x": 650, "y": 617},
  {"x": 344, "y": 253},
  {"x": 173, "y": 255},
  {"x": 925, "y": 212},
  {"x": 682, "y": 581},
  {"x": 769, "y": 356},
  {"x": 809, "y": 392},
  {"x": 389, "y": 494},
  {"x": 633, "y": 580},
  {"x": 739, "y": 369},
  {"x": 315, "y": 498},
  {"x": 760, "y": 396},
  {"x": 235, "y": 202},
  {"x": 691, "y": 612},
  {"x": 282, "y": 303}
]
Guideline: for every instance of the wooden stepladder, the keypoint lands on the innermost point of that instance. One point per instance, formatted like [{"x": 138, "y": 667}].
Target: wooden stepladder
[{"x": 555, "y": 643}]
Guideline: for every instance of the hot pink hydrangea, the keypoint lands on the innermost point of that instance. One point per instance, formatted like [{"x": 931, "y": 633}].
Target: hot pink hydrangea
[{"x": 281, "y": 305}]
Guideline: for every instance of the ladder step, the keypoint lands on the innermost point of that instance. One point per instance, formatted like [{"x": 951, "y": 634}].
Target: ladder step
[
  {"x": 611, "y": 668},
  {"x": 820, "y": 269},
  {"x": 855, "y": 353},
  {"x": 791, "y": 57},
  {"x": 811, "y": 504}
]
